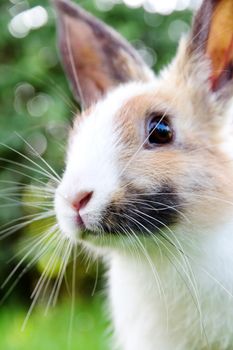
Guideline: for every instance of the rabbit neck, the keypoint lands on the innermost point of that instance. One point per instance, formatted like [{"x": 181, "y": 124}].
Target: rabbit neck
[{"x": 167, "y": 300}]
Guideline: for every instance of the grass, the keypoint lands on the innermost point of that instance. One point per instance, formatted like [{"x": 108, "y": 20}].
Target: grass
[{"x": 51, "y": 331}]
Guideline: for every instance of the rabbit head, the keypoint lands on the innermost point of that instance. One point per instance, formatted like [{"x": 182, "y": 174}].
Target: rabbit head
[{"x": 147, "y": 152}]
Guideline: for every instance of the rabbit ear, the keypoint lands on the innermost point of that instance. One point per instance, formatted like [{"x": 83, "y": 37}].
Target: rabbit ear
[
  {"x": 95, "y": 57},
  {"x": 213, "y": 35}
]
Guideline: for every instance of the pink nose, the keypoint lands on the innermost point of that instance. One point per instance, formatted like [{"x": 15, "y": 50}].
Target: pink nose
[{"x": 81, "y": 200}]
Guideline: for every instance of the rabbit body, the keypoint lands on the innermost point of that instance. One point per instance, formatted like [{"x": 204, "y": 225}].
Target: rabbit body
[
  {"x": 148, "y": 179},
  {"x": 183, "y": 314}
]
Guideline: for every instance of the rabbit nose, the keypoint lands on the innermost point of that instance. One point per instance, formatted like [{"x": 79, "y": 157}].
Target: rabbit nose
[{"x": 82, "y": 200}]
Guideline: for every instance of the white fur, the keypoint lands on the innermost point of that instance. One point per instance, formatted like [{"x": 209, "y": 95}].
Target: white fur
[
  {"x": 92, "y": 161},
  {"x": 194, "y": 307},
  {"x": 145, "y": 316}
]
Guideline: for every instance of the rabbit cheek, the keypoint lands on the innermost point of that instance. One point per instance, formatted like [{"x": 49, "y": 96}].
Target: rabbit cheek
[{"x": 143, "y": 213}]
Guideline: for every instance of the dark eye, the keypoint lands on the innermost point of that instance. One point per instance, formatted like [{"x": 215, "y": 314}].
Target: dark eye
[{"x": 159, "y": 130}]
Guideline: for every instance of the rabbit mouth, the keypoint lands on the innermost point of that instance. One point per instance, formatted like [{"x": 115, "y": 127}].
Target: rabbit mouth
[{"x": 143, "y": 213}]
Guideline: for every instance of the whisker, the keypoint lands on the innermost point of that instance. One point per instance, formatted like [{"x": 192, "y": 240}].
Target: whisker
[
  {"x": 182, "y": 255},
  {"x": 25, "y": 269},
  {"x": 51, "y": 263},
  {"x": 34, "y": 247},
  {"x": 44, "y": 173},
  {"x": 23, "y": 174},
  {"x": 72, "y": 297},
  {"x": 39, "y": 287},
  {"x": 73, "y": 107},
  {"x": 56, "y": 176},
  {"x": 139, "y": 224},
  {"x": 29, "y": 242},
  {"x": 153, "y": 269},
  {"x": 12, "y": 229},
  {"x": 61, "y": 273},
  {"x": 22, "y": 218}
]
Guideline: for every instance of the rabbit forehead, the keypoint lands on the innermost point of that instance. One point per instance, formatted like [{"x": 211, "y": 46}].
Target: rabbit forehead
[
  {"x": 96, "y": 139},
  {"x": 101, "y": 133},
  {"x": 109, "y": 116}
]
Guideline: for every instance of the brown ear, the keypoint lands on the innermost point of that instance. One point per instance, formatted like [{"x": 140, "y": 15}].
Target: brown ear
[
  {"x": 95, "y": 57},
  {"x": 213, "y": 35}
]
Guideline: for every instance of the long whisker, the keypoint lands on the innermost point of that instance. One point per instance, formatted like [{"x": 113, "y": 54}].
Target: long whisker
[
  {"x": 44, "y": 172},
  {"x": 72, "y": 297},
  {"x": 56, "y": 176},
  {"x": 56, "y": 88},
  {"x": 61, "y": 273},
  {"x": 201, "y": 196},
  {"x": 34, "y": 247},
  {"x": 73, "y": 107},
  {"x": 26, "y": 269},
  {"x": 29, "y": 243},
  {"x": 51, "y": 263},
  {"x": 10, "y": 230},
  {"x": 14, "y": 202},
  {"x": 152, "y": 267},
  {"x": 28, "y": 217},
  {"x": 187, "y": 269},
  {"x": 34, "y": 179},
  {"x": 39, "y": 287},
  {"x": 140, "y": 225},
  {"x": 183, "y": 256}
]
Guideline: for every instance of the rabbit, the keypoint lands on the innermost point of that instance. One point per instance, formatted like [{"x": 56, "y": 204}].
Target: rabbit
[{"x": 148, "y": 183}]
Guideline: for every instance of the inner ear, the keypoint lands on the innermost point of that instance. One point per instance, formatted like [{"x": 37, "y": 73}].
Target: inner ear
[
  {"x": 220, "y": 43},
  {"x": 95, "y": 57},
  {"x": 213, "y": 35}
]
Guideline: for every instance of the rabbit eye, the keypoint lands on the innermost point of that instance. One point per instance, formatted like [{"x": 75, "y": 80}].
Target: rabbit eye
[{"x": 159, "y": 130}]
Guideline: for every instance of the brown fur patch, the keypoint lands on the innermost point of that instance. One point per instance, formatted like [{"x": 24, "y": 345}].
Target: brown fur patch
[{"x": 194, "y": 162}]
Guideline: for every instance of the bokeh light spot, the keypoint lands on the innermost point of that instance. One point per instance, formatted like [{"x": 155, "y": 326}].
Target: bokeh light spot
[
  {"x": 22, "y": 23},
  {"x": 58, "y": 130},
  {"x": 38, "y": 143},
  {"x": 38, "y": 105},
  {"x": 134, "y": 3},
  {"x": 104, "y": 5},
  {"x": 147, "y": 54},
  {"x": 23, "y": 92},
  {"x": 176, "y": 29},
  {"x": 164, "y": 7}
]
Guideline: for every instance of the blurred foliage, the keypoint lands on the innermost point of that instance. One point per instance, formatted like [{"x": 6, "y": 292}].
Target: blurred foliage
[
  {"x": 36, "y": 108},
  {"x": 52, "y": 332}
]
